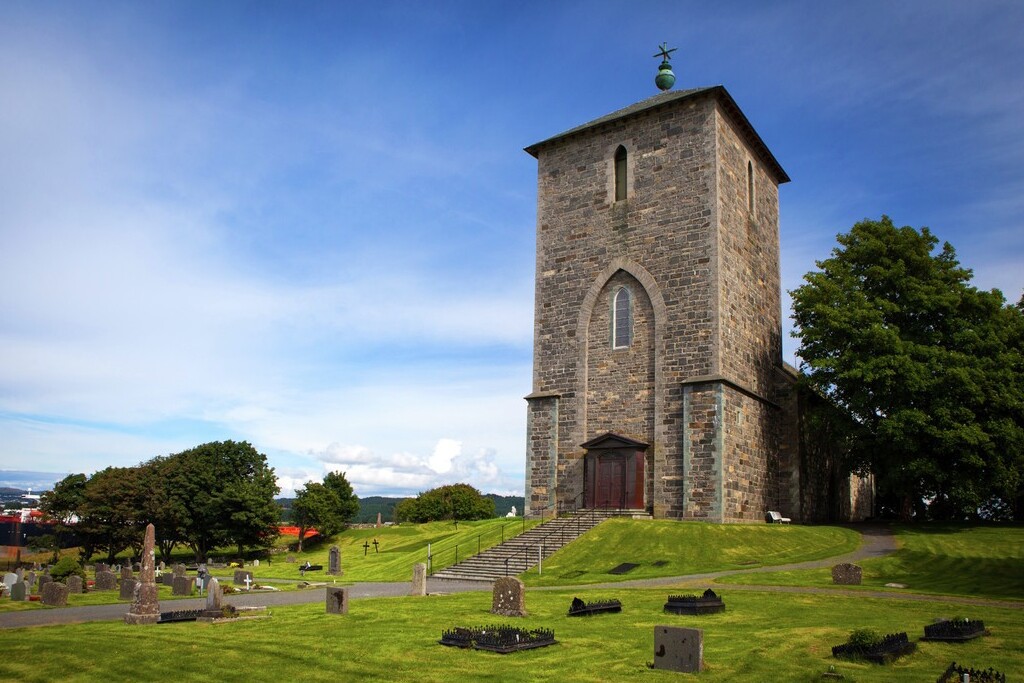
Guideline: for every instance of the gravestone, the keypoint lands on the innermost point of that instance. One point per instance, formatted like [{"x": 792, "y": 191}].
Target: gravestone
[
  {"x": 678, "y": 649},
  {"x": 9, "y": 580},
  {"x": 846, "y": 574},
  {"x": 183, "y": 585},
  {"x": 419, "y": 579},
  {"x": 102, "y": 567},
  {"x": 19, "y": 591},
  {"x": 179, "y": 569},
  {"x": 105, "y": 581},
  {"x": 334, "y": 561},
  {"x": 162, "y": 567},
  {"x": 30, "y": 579},
  {"x": 20, "y": 573},
  {"x": 74, "y": 584},
  {"x": 508, "y": 598},
  {"x": 126, "y": 573},
  {"x": 214, "y": 598},
  {"x": 54, "y": 594},
  {"x": 145, "y": 608},
  {"x": 378, "y": 520},
  {"x": 167, "y": 579},
  {"x": 241, "y": 575},
  {"x": 43, "y": 580},
  {"x": 337, "y": 600},
  {"x": 128, "y": 589}
]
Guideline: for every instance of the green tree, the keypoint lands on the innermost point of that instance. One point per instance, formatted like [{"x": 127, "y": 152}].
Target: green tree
[
  {"x": 62, "y": 504},
  {"x": 317, "y": 507},
  {"x": 326, "y": 506},
  {"x": 222, "y": 493},
  {"x": 348, "y": 501},
  {"x": 929, "y": 368},
  {"x": 110, "y": 515},
  {"x": 455, "y": 502}
]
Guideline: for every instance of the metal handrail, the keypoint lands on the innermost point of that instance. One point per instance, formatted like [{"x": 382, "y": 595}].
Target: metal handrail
[
  {"x": 454, "y": 548},
  {"x": 560, "y": 531}
]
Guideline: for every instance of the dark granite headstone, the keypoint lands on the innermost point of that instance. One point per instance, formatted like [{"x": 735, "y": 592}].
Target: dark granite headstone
[
  {"x": 128, "y": 589},
  {"x": 102, "y": 567},
  {"x": 54, "y": 594},
  {"x": 126, "y": 573},
  {"x": 183, "y": 585},
  {"x": 337, "y": 600},
  {"x": 846, "y": 574},
  {"x": 508, "y": 597},
  {"x": 241, "y": 575},
  {"x": 167, "y": 579},
  {"x": 334, "y": 561},
  {"x": 43, "y": 580},
  {"x": 678, "y": 649},
  {"x": 19, "y": 591},
  {"x": 74, "y": 583},
  {"x": 105, "y": 581}
]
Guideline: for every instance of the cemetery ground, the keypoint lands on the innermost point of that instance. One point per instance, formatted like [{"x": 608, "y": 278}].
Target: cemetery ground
[{"x": 763, "y": 635}]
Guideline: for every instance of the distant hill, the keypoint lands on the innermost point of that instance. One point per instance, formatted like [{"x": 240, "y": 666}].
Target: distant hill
[{"x": 371, "y": 505}]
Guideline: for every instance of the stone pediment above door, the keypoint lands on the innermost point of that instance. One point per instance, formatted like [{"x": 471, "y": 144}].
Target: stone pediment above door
[{"x": 610, "y": 441}]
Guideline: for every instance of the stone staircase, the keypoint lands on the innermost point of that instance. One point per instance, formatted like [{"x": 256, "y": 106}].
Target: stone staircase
[{"x": 525, "y": 550}]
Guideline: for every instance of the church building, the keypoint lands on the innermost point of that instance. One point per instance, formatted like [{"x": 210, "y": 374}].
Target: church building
[{"x": 658, "y": 380}]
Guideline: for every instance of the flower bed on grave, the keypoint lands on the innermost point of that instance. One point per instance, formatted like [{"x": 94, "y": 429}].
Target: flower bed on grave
[
  {"x": 708, "y": 603},
  {"x": 578, "y": 608},
  {"x": 500, "y": 639},
  {"x": 955, "y": 630},
  {"x": 864, "y": 644}
]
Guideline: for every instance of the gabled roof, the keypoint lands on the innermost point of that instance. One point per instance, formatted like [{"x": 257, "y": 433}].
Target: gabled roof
[
  {"x": 610, "y": 440},
  {"x": 668, "y": 98}
]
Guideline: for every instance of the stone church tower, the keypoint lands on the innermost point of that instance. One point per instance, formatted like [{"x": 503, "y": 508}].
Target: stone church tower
[{"x": 658, "y": 380}]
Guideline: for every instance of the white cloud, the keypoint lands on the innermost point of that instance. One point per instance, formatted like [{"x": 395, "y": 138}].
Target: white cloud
[{"x": 444, "y": 452}]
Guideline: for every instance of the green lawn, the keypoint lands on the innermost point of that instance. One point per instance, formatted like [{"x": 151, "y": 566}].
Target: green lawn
[
  {"x": 680, "y": 548},
  {"x": 984, "y": 561},
  {"x": 761, "y": 637}
]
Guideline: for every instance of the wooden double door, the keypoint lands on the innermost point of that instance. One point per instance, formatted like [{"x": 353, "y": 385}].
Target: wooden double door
[{"x": 614, "y": 479}]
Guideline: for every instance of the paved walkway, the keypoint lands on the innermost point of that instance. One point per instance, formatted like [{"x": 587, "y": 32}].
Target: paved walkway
[{"x": 876, "y": 542}]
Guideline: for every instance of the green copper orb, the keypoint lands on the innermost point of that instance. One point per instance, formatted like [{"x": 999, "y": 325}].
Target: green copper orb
[{"x": 665, "y": 78}]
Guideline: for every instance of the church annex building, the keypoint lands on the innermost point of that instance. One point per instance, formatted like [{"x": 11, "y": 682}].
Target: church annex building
[{"x": 658, "y": 380}]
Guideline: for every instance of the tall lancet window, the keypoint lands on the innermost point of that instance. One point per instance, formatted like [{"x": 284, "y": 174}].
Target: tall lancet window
[
  {"x": 750, "y": 187},
  {"x": 620, "y": 173},
  {"x": 622, "y": 319}
]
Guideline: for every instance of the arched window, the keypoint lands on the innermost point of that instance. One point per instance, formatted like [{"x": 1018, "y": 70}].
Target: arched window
[
  {"x": 620, "y": 173},
  {"x": 622, "y": 319},
  {"x": 750, "y": 187}
]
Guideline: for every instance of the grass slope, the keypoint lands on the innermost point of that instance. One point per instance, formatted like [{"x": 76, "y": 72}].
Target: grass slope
[
  {"x": 685, "y": 548},
  {"x": 760, "y": 637},
  {"x": 949, "y": 559}
]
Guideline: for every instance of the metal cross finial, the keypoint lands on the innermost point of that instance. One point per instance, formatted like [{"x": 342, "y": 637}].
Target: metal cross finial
[{"x": 664, "y": 52}]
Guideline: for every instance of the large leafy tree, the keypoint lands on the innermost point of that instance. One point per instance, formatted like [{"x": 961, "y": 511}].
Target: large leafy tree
[
  {"x": 455, "y": 502},
  {"x": 223, "y": 494},
  {"x": 930, "y": 368},
  {"x": 63, "y": 503}
]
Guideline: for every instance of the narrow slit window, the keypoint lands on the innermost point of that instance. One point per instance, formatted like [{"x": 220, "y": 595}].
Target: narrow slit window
[
  {"x": 622, "y": 319},
  {"x": 750, "y": 187},
  {"x": 620, "y": 173}
]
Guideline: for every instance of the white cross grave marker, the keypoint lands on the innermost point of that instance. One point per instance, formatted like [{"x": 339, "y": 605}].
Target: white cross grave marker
[{"x": 248, "y": 582}]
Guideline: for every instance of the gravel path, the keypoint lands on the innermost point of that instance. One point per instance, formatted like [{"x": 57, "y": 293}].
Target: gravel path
[{"x": 876, "y": 542}]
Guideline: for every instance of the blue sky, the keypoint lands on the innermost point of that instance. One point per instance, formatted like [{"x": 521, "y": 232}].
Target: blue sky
[{"x": 311, "y": 225}]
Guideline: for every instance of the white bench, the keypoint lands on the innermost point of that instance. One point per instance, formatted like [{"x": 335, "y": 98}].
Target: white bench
[{"x": 773, "y": 517}]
